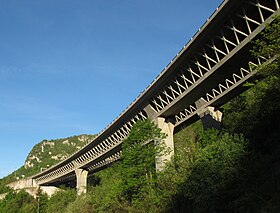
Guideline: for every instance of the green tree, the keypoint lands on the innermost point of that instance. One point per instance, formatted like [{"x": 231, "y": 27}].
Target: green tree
[
  {"x": 215, "y": 171},
  {"x": 60, "y": 200},
  {"x": 42, "y": 201},
  {"x": 82, "y": 204},
  {"x": 258, "y": 119},
  {"x": 106, "y": 197},
  {"x": 18, "y": 202},
  {"x": 267, "y": 45},
  {"x": 137, "y": 165},
  {"x": 256, "y": 113}
]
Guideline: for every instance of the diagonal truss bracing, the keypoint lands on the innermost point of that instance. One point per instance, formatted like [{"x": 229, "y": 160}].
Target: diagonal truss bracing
[{"x": 227, "y": 38}]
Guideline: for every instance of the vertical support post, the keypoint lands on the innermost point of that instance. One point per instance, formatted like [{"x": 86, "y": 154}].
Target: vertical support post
[
  {"x": 210, "y": 117},
  {"x": 81, "y": 177},
  {"x": 33, "y": 183},
  {"x": 168, "y": 129}
]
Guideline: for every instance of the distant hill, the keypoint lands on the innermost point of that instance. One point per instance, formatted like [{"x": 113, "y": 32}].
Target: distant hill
[{"x": 48, "y": 153}]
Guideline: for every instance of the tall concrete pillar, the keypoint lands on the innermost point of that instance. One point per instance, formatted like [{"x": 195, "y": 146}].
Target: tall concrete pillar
[
  {"x": 168, "y": 129},
  {"x": 81, "y": 177},
  {"x": 33, "y": 183},
  {"x": 210, "y": 117}
]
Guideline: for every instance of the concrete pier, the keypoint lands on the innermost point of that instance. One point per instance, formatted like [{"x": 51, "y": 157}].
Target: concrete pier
[
  {"x": 81, "y": 177},
  {"x": 168, "y": 129},
  {"x": 210, "y": 118}
]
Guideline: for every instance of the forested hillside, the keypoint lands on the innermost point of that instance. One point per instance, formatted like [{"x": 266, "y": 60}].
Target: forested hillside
[
  {"x": 235, "y": 169},
  {"x": 47, "y": 153}
]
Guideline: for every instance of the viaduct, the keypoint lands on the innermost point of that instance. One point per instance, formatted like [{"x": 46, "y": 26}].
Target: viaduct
[{"x": 207, "y": 72}]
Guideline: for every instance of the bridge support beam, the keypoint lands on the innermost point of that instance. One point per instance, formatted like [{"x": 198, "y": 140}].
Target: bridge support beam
[
  {"x": 150, "y": 112},
  {"x": 81, "y": 177},
  {"x": 168, "y": 129}
]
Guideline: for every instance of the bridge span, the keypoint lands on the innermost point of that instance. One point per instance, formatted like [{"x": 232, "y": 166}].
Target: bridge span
[{"x": 207, "y": 72}]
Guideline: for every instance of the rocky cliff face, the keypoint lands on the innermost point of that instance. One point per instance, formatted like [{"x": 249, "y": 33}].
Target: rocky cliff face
[
  {"x": 46, "y": 154},
  {"x": 49, "y": 152}
]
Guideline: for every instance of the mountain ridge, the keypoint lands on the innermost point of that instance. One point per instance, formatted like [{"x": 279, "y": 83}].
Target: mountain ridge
[{"x": 47, "y": 153}]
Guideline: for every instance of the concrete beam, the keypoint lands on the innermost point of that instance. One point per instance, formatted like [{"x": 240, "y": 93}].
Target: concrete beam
[
  {"x": 81, "y": 177},
  {"x": 168, "y": 129}
]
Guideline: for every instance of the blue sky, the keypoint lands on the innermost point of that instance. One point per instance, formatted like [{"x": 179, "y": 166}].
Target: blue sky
[{"x": 69, "y": 67}]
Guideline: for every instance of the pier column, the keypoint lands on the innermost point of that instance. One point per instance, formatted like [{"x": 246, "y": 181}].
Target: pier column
[
  {"x": 168, "y": 129},
  {"x": 210, "y": 117},
  {"x": 81, "y": 177}
]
